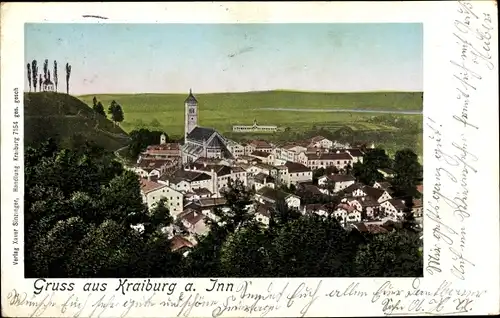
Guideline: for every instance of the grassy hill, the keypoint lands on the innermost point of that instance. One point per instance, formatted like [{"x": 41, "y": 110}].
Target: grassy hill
[{"x": 67, "y": 119}]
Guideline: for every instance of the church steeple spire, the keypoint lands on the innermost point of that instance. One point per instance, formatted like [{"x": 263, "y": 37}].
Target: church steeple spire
[{"x": 191, "y": 99}]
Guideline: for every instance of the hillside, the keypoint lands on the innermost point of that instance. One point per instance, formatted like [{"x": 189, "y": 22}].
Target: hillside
[{"x": 68, "y": 120}]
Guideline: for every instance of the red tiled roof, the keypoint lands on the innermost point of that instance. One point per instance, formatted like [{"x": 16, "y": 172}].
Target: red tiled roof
[
  {"x": 193, "y": 217},
  {"x": 148, "y": 186},
  {"x": 296, "y": 167},
  {"x": 179, "y": 242}
]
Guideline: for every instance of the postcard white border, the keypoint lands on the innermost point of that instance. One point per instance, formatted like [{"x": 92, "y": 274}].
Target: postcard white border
[{"x": 440, "y": 104}]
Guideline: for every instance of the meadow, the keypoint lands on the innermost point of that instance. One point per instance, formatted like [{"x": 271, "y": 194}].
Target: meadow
[{"x": 223, "y": 110}]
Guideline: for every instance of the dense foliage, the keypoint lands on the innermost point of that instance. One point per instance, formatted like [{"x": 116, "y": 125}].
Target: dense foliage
[
  {"x": 141, "y": 139},
  {"x": 81, "y": 208}
]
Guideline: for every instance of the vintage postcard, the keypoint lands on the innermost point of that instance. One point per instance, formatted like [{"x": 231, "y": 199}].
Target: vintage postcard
[{"x": 249, "y": 159}]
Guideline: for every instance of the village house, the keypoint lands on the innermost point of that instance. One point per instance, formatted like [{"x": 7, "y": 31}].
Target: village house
[
  {"x": 235, "y": 148},
  {"x": 289, "y": 152},
  {"x": 296, "y": 173},
  {"x": 180, "y": 244},
  {"x": 206, "y": 206},
  {"x": 346, "y": 213},
  {"x": 270, "y": 195},
  {"x": 262, "y": 212},
  {"x": 378, "y": 195},
  {"x": 247, "y": 159},
  {"x": 151, "y": 168},
  {"x": 319, "y": 160},
  {"x": 260, "y": 145},
  {"x": 316, "y": 151},
  {"x": 163, "y": 151},
  {"x": 262, "y": 180},
  {"x": 187, "y": 181},
  {"x": 197, "y": 194},
  {"x": 257, "y": 168},
  {"x": 354, "y": 190},
  {"x": 367, "y": 227},
  {"x": 360, "y": 190},
  {"x": 369, "y": 207},
  {"x": 310, "y": 190},
  {"x": 320, "y": 142},
  {"x": 386, "y": 172},
  {"x": 318, "y": 209},
  {"x": 356, "y": 154},
  {"x": 221, "y": 175},
  {"x": 417, "y": 208},
  {"x": 264, "y": 157},
  {"x": 384, "y": 185},
  {"x": 152, "y": 192},
  {"x": 194, "y": 222},
  {"x": 335, "y": 182},
  {"x": 394, "y": 209}
]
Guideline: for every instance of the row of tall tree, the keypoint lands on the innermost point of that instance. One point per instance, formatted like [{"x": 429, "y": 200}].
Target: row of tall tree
[
  {"x": 81, "y": 208},
  {"x": 35, "y": 80}
]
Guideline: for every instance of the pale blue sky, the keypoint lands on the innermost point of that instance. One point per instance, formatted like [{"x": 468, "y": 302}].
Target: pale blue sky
[{"x": 172, "y": 58}]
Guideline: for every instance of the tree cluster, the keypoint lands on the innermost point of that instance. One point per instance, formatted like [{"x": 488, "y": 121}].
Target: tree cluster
[
  {"x": 141, "y": 139},
  {"x": 80, "y": 209},
  {"x": 98, "y": 107},
  {"x": 116, "y": 112}
]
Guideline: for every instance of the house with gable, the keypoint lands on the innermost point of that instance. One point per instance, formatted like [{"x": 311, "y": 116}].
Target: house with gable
[
  {"x": 262, "y": 180},
  {"x": 152, "y": 192},
  {"x": 319, "y": 142},
  {"x": 187, "y": 181},
  {"x": 394, "y": 209},
  {"x": 335, "y": 182},
  {"x": 258, "y": 145},
  {"x": 264, "y": 157},
  {"x": 272, "y": 196}
]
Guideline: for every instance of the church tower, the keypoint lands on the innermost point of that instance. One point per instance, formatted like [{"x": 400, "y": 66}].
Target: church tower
[{"x": 191, "y": 113}]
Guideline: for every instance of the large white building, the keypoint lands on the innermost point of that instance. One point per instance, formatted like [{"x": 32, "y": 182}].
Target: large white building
[{"x": 255, "y": 128}]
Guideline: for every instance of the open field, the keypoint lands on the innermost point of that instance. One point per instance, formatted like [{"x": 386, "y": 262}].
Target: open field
[{"x": 223, "y": 110}]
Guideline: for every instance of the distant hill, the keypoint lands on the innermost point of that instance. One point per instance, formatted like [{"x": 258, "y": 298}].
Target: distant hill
[{"x": 68, "y": 120}]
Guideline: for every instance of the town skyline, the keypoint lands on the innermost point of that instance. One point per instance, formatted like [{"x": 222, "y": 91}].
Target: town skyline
[{"x": 140, "y": 58}]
